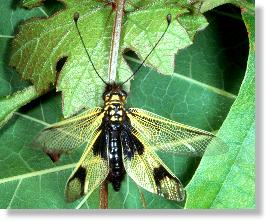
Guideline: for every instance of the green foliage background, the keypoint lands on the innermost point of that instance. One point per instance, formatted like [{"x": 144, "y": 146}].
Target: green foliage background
[{"x": 203, "y": 91}]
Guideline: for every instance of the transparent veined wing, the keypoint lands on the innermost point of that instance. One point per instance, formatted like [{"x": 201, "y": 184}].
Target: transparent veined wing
[
  {"x": 144, "y": 166},
  {"x": 169, "y": 136},
  {"x": 65, "y": 136},
  {"x": 91, "y": 170}
]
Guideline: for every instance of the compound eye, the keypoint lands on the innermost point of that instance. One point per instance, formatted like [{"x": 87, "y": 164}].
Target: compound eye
[
  {"x": 123, "y": 93},
  {"x": 106, "y": 95}
]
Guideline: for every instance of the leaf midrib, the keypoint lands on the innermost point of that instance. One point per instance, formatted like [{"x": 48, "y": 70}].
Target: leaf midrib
[
  {"x": 193, "y": 81},
  {"x": 37, "y": 173}
]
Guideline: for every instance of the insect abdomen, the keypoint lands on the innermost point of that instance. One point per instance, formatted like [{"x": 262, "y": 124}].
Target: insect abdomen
[{"x": 115, "y": 160}]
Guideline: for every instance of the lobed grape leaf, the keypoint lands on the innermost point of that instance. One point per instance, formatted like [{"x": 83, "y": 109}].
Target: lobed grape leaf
[{"x": 43, "y": 43}]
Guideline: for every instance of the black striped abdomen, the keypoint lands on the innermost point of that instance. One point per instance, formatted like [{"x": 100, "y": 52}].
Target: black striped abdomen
[
  {"x": 114, "y": 116},
  {"x": 117, "y": 170}
]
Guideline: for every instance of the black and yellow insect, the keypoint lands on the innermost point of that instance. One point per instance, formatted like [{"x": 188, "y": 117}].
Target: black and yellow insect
[{"x": 120, "y": 141}]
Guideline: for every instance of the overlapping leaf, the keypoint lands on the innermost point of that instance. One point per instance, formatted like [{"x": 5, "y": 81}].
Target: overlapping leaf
[
  {"x": 233, "y": 183},
  {"x": 41, "y": 43}
]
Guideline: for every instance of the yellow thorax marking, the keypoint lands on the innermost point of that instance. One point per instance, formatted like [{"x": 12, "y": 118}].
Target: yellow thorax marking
[
  {"x": 115, "y": 97},
  {"x": 112, "y": 112}
]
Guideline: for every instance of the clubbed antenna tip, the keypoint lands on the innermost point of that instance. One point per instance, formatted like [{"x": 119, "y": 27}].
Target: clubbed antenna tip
[
  {"x": 169, "y": 18},
  {"x": 76, "y": 16}
]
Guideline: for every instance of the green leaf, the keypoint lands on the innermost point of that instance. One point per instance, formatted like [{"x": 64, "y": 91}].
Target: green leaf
[
  {"x": 12, "y": 103},
  {"x": 42, "y": 43},
  {"x": 14, "y": 92},
  {"x": 211, "y": 4},
  {"x": 228, "y": 180},
  {"x": 26, "y": 172},
  {"x": 195, "y": 96}
]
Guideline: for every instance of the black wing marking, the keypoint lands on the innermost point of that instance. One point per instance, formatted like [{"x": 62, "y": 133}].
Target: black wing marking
[
  {"x": 91, "y": 170},
  {"x": 146, "y": 169}
]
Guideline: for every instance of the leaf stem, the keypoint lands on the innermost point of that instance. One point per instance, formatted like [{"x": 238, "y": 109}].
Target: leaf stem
[
  {"x": 103, "y": 195},
  {"x": 115, "y": 41},
  {"x": 142, "y": 198}
]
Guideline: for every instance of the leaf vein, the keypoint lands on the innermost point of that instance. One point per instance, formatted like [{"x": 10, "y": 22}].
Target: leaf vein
[{"x": 37, "y": 173}]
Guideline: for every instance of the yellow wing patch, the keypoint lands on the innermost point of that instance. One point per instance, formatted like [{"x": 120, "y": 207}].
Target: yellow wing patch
[
  {"x": 69, "y": 134},
  {"x": 166, "y": 135}
]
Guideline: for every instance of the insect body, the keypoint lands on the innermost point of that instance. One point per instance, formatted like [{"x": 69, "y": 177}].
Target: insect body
[
  {"x": 123, "y": 141},
  {"x": 120, "y": 141},
  {"x": 113, "y": 121}
]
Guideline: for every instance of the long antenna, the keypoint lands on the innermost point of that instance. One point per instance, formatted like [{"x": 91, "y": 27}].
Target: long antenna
[
  {"x": 169, "y": 18},
  {"x": 75, "y": 18}
]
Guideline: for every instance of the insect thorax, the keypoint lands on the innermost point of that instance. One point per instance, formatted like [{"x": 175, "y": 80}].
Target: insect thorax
[{"x": 114, "y": 106}]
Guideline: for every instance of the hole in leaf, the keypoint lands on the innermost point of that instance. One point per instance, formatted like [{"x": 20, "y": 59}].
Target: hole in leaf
[
  {"x": 51, "y": 6},
  {"x": 60, "y": 63}
]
